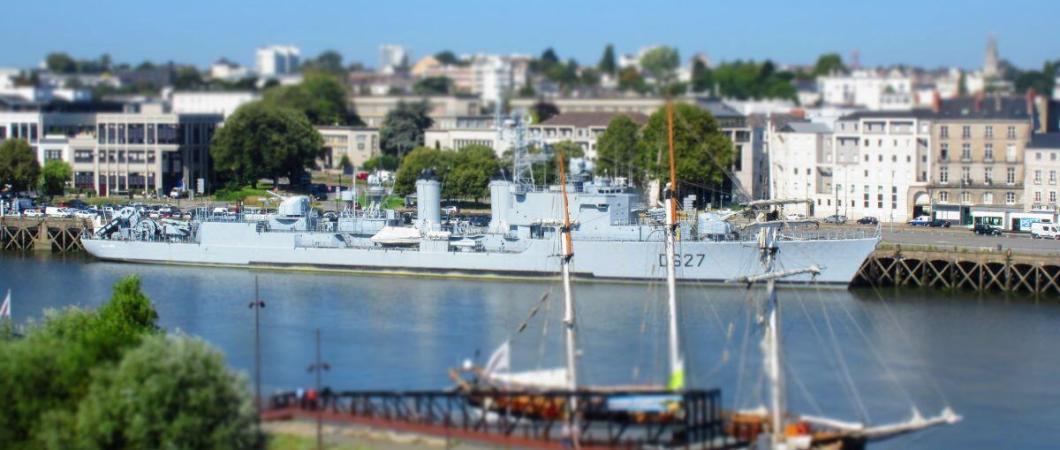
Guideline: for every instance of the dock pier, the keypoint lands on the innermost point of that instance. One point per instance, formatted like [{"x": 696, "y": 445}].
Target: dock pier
[
  {"x": 62, "y": 235},
  {"x": 955, "y": 269}
]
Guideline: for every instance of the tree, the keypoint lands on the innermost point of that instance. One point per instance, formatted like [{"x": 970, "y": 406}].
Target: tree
[
  {"x": 187, "y": 77},
  {"x": 345, "y": 164},
  {"x": 403, "y": 128},
  {"x": 415, "y": 162},
  {"x": 262, "y": 140},
  {"x": 60, "y": 62},
  {"x": 549, "y": 57},
  {"x": 328, "y": 61},
  {"x": 320, "y": 96},
  {"x": 441, "y": 85},
  {"x": 54, "y": 176},
  {"x": 470, "y": 172},
  {"x": 448, "y": 58},
  {"x": 629, "y": 79},
  {"x": 589, "y": 77},
  {"x": 169, "y": 392},
  {"x": 607, "y": 61},
  {"x": 661, "y": 63},
  {"x": 381, "y": 162},
  {"x": 702, "y": 77},
  {"x": 616, "y": 149},
  {"x": 701, "y": 149},
  {"x": 745, "y": 80},
  {"x": 48, "y": 372},
  {"x": 18, "y": 165},
  {"x": 542, "y": 111},
  {"x": 829, "y": 63}
]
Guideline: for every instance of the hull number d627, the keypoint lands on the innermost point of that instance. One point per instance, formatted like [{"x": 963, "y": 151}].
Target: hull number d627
[{"x": 684, "y": 259}]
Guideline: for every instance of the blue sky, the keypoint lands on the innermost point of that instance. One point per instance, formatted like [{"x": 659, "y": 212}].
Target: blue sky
[{"x": 927, "y": 32}]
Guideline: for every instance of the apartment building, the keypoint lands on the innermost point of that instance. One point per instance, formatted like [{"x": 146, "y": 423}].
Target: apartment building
[
  {"x": 116, "y": 152},
  {"x": 211, "y": 102},
  {"x": 1042, "y": 168},
  {"x": 749, "y": 165},
  {"x": 443, "y": 109},
  {"x": 799, "y": 153},
  {"x": 582, "y": 128},
  {"x": 359, "y": 144},
  {"x": 979, "y": 145},
  {"x": 277, "y": 60},
  {"x": 871, "y": 89},
  {"x": 465, "y": 131},
  {"x": 618, "y": 104}
]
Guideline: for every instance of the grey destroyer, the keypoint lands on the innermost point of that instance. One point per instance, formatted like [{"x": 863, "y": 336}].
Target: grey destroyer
[{"x": 618, "y": 236}]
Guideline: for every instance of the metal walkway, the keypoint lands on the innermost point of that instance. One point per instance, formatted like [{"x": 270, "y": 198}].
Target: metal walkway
[{"x": 694, "y": 421}]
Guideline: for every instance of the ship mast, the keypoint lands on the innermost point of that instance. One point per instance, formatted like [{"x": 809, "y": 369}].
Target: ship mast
[
  {"x": 677, "y": 364},
  {"x": 771, "y": 341},
  {"x": 568, "y": 300}
]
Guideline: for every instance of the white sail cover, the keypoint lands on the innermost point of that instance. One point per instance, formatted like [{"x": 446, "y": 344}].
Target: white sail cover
[
  {"x": 397, "y": 235},
  {"x": 540, "y": 379},
  {"x": 5, "y": 308},
  {"x": 500, "y": 361}
]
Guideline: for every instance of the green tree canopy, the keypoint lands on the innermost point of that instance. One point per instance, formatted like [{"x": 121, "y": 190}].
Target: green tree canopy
[
  {"x": 629, "y": 79},
  {"x": 169, "y": 392},
  {"x": 607, "y": 61},
  {"x": 661, "y": 63},
  {"x": 381, "y": 162},
  {"x": 415, "y": 162},
  {"x": 54, "y": 176},
  {"x": 701, "y": 149},
  {"x": 46, "y": 374},
  {"x": 617, "y": 150},
  {"x": 449, "y": 58},
  {"x": 471, "y": 169},
  {"x": 60, "y": 62},
  {"x": 542, "y": 111},
  {"x": 261, "y": 140},
  {"x": 441, "y": 85},
  {"x": 403, "y": 128},
  {"x": 702, "y": 76},
  {"x": 829, "y": 63},
  {"x": 320, "y": 96},
  {"x": 18, "y": 165},
  {"x": 744, "y": 80},
  {"x": 328, "y": 61}
]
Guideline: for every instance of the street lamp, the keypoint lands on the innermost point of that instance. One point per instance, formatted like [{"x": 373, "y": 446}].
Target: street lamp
[
  {"x": 257, "y": 306},
  {"x": 318, "y": 368}
]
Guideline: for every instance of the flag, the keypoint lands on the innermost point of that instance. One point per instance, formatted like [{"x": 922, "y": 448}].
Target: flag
[
  {"x": 5, "y": 309},
  {"x": 500, "y": 360}
]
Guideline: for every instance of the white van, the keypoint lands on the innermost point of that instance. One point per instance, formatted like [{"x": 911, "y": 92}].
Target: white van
[{"x": 1045, "y": 230}]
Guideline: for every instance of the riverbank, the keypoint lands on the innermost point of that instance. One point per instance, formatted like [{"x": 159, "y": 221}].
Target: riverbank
[{"x": 301, "y": 435}]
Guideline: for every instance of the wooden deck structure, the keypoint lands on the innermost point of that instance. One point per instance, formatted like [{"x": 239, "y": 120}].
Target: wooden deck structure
[
  {"x": 977, "y": 271},
  {"x": 42, "y": 234}
]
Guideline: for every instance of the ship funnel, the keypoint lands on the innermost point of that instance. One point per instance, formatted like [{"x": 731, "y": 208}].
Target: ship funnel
[
  {"x": 428, "y": 202},
  {"x": 500, "y": 205}
]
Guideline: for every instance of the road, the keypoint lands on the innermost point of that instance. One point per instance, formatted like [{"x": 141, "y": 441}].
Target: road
[{"x": 964, "y": 238}]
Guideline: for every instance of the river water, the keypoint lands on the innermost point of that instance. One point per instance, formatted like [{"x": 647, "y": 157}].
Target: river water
[{"x": 853, "y": 355}]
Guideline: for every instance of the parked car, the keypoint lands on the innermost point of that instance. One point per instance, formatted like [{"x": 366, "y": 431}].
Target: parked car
[
  {"x": 57, "y": 212},
  {"x": 795, "y": 216},
  {"x": 33, "y": 212},
  {"x": 836, "y": 219},
  {"x": 451, "y": 210},
  {"x": 939, "y": 223},
  {"x": 986, "y": 230},
  {"x": 1044, "y": 230},
  {"x": 868, "y": 220},
  {"x": 921, "y": 221}
]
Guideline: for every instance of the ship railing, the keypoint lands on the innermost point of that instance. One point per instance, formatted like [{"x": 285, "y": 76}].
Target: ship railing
[{"x": 608, "y": 419}]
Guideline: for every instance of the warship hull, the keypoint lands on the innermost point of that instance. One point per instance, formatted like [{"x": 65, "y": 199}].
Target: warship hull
[{"x": 241, "y": 244}]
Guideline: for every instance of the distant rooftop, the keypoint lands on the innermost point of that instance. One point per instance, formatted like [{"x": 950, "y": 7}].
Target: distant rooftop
[
  {"x": 1048, "y": 141},
  {"x": 806, "y": 127},
  {"x": 591, "y": 119}
]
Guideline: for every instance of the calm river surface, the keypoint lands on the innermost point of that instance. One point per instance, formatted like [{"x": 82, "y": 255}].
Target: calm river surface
[{"x": 851, "y": 355}]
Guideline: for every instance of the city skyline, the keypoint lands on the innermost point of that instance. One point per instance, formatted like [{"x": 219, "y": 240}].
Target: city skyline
[{"x": 945, "y": 33}]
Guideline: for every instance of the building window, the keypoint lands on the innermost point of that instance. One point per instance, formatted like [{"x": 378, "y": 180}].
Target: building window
[
  {"x": 894, "y": 197},
  {"x": 966, "y": 197},
  {"x": 944, "y": 151},
  {"x": 988, "y": 152},
  {"x": 1052, "y": 196},
  {"x": 988, "y": 175},
  {"x": 944, "y": 197},
  {"x": 53, "y": 154},
  {"x": 989, "y": 132},
  {"x": 1010, "y": 175},
  {"x": 944, "y": 132},
  {"x": 1010, "y": 153},
  {"x": 866, "y": 196},
  {"x": 1037, "y": 177},
  {"x": 966, "y": 152},
  {"x": 944, "y": 174},
  {"x": 966, "y": 175},
  {"x": 1052, "y": 177},
  {"x": 1010, "y": 198},
  {"x": 1037, "y": 156},
  {"x": 1011, "y": 132},
  {"x": 1037, "y": 196},
  {"x": 988, "y": 198},
  {"x": 966, "y": 132},
  {"x": 879, "y": 197}
]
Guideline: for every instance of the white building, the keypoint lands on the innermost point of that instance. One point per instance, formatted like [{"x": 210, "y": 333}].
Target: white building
[
  {"x": 797, "y": 154},
  {"x": 211, "y": 102},
  {"x": 491, "y": 77},
  {"x": 277, "y": 60},
  {"x": 582, "y": 128},
  {"x": 1042, "y": 170},
  {"x": 359, "y": 144},
  {"x": 227, "y": 70},
  {"x": 393, "y": 58},
  {"x": 871, "y": 89}
]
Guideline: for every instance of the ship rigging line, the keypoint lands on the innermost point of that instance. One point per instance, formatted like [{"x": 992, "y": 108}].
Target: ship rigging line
[{"x": 844, "y": 369}]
